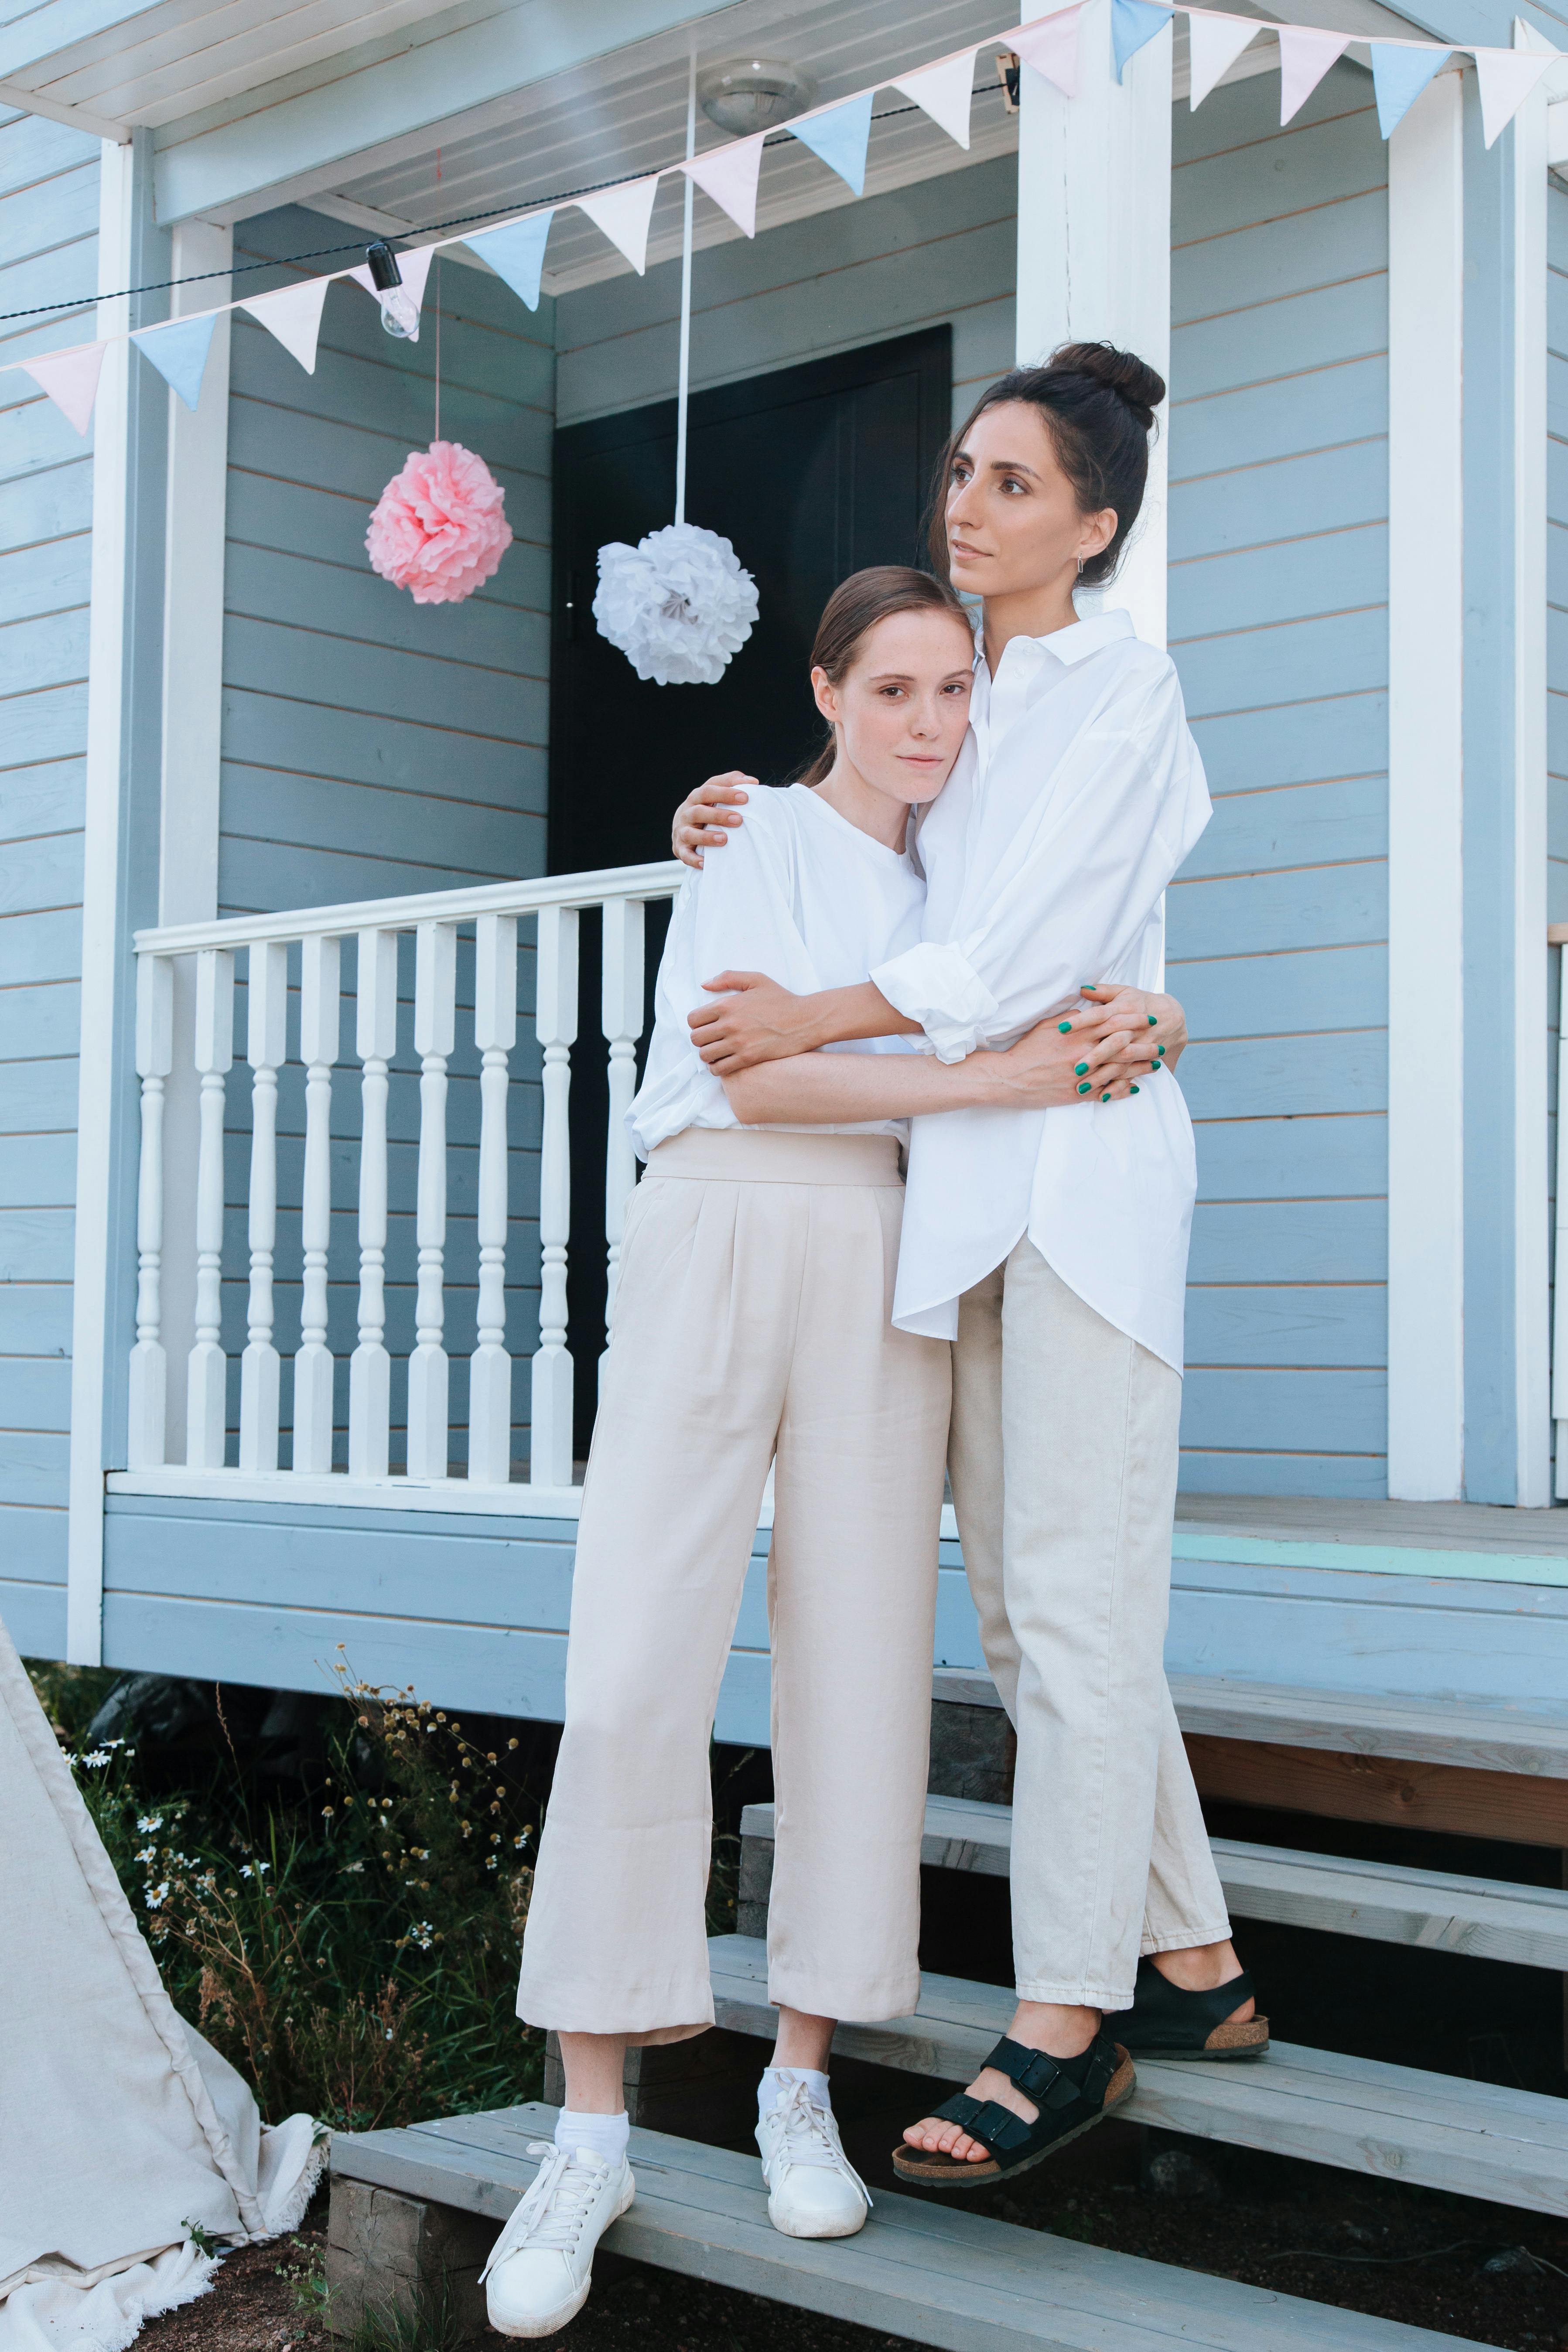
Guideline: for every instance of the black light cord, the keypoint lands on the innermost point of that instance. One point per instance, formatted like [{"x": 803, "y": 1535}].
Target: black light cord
[{"x": 355, "y": 245}]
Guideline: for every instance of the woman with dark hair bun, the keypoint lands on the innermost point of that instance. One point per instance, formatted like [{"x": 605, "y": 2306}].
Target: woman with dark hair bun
[{"x": 1050, "y": 1248}]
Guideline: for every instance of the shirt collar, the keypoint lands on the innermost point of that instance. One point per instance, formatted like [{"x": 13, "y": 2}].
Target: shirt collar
[{"x": 1082, "y": 638}]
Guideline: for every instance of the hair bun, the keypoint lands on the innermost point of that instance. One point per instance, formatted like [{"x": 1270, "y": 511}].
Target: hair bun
[{"x": 1133, "y": 380}]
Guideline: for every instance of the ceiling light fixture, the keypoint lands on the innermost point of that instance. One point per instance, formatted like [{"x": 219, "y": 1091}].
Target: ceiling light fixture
[{"x": 746, "y": 94}]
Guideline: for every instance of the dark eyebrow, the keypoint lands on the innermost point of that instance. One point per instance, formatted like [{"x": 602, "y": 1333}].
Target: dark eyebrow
[{"x": 1001, "y": 465}]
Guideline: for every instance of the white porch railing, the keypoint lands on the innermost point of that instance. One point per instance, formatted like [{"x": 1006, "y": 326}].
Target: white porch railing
[{"x": 493, "y": 916}]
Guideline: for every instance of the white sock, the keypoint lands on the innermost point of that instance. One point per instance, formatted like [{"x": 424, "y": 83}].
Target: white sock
[
  {"x": 607, "y": 2136},
  {"x": 778, "y": 2081}
]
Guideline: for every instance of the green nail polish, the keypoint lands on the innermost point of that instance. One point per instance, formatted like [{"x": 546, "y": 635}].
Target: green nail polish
[
  {"x": 1064, "y": 1026},
  {"x": 1154, "y": 1068},
  {"x": 1153, "y": 1022},
  {"x": 1078, "y": 1068},
  {"x": 1132, "y": 1090},
  {"x": 1105, "y": 1097},
  {"x": 1159, "y": 1049},
  {"x": 1084, "y": 1088}
]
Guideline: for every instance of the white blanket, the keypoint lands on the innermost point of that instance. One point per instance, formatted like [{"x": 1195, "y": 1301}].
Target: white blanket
[{"x": 120, "y": 2126}]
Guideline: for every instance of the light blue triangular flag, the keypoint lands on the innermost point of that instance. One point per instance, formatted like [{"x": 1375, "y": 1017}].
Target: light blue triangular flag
[
  {"x": 179, "y": 353},
  {"x": 515, "y": 251},
  {"x": 839, "y": 137},
  {"x": 1133, "y": 22},
  {"x": 1399, "y": 75}
]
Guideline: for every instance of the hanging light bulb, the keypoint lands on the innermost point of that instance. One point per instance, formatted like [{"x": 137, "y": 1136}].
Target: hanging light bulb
[{"x": 399, "y": 311}]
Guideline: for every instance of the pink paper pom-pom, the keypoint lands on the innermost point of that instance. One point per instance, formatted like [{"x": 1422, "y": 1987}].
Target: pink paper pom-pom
[{"x": 438, "y": 530}]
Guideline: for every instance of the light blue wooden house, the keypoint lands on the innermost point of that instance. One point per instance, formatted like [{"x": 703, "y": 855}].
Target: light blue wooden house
[
  {"x": 265, "y": 819},
  {"x": 325, "y": 921}
]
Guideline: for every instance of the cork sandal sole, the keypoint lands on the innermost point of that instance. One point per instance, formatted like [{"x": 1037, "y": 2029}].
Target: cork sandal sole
[
  {"x": 925, "y": 2169},
  {"x": 1246, "y": 2039}
]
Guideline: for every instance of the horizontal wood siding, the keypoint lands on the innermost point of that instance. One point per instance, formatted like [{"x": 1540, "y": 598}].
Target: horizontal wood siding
[
  {"x": 49, "y": 225},
  {"x": 1278, "y": 924},
  {"x": 944, "y": 249},
  {"x": 373, "y": 747}
]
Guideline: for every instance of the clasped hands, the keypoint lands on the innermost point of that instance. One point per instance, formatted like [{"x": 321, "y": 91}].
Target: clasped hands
[{"x": 1103, "y": 1048}]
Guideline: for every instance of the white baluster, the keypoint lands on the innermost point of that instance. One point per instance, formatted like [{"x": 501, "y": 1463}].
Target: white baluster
[
  {"x": 622, "y": 1010},
  {"x": 267, "y": 1047},
  {"x": 555, "y": 1022},
  {"x": 435, "y": 1000},
  {"x": 205, "y": 1396},
  {"x": 370, "y": 1368},
  {"x": 495, "y": 1033},
  {"x": 319, "y": 1021},
  {"x": 149, "y": 1366}
]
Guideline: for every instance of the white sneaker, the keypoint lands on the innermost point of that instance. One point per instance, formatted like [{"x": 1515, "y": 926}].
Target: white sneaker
[
  {"x": 541, "y": 2266},
  {"x": 813, "y": 2190}
]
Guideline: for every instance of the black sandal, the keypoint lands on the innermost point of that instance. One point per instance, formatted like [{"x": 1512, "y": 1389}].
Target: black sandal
[
  {"x": 1072, "y": 2095},
  {"x": 1166, "y": 2022}
]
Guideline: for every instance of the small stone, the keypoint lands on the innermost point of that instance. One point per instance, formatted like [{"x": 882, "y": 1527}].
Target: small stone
[
  {"x": 1174, "y": 2173},
  {"x": 1511, "y": 2258}
]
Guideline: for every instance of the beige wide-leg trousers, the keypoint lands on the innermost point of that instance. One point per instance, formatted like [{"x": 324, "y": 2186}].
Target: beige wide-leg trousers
[
  {"x": 1063, "y": 1462},
  {"x": 752, "y": 1319}
]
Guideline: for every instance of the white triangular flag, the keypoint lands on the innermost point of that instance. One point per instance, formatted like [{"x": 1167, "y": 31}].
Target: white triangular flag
[
  {"x": 294, "y": 315},
  {"x": 622, "y": 214},
  {"x": 729, "y": 174},
  {"x": 944, "y": 91},
  {"x": 70, "y": 379},
  {"x": 1305, "y": 56},
  {"x": 1506, "y": 78},
  {"x": 1213, "y": 45},
  {"x": 1051, "y": 47}
]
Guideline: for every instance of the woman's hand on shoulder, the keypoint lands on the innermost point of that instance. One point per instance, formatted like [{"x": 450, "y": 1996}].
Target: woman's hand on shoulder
[{"x": 703, "y": 815}]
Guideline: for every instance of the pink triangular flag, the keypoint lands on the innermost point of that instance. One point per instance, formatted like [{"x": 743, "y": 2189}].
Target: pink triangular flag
[
  {"x": 1051, "y": 47},
  {"x": 1506, "y": 78},
  {"x": 623, "y": 214},
  {"x": 1305, "y": 56},
  {"x": 294, "y": 315},
  {"x": 413, "y": 268},
  {"x": 1213, "y": 45},
  {"x": 729, "y": 174},
  {"x": 70, "y": 379},
  {"x": 944, "y": 91}
]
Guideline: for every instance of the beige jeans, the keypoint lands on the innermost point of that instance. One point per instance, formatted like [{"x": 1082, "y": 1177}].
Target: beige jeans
[
  {"x": 1063, "y": 1462},
  {"x": 752, "y": 1317}
]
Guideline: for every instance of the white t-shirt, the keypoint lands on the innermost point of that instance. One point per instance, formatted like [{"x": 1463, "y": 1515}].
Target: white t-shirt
[
  {"x": 798, "y": 893},
  {"x": 1078, "y": 797}
]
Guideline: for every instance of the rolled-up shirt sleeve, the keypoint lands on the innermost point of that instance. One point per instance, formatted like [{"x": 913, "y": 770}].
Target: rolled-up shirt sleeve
[
  {"x": 940, "y": 988},
  {"x": 1071, "y": 894}
]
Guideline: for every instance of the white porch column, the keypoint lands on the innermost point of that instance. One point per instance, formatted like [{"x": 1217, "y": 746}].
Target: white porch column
[
  {"x": 1094, "y": 250},
  {"x": 1426, "y": 798},
  {"x": 192, "y": 722},
  {"x": 108, "y": 617}
]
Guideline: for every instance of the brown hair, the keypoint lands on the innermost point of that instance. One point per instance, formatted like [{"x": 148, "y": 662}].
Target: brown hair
[
  {"x": 852, "y": 610},
  {"x": 1098, "y": 404}
]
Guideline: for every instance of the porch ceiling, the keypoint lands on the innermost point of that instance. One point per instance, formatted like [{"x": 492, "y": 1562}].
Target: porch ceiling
[{"x": 351, "y": 103}]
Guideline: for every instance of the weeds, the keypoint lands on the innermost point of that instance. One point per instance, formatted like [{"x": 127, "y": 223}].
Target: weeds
[{"x": 352, "y": 1951}]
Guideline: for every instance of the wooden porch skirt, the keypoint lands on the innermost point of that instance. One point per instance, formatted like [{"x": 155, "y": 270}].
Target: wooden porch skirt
[{"x": 1522, "y": 1807}]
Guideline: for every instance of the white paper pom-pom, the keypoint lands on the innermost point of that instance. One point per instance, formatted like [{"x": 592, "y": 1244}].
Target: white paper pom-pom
[{"x": 678, "y": 604}]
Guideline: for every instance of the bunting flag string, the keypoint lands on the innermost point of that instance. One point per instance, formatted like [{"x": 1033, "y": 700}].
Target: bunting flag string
[{"x": 839, "y": 136}]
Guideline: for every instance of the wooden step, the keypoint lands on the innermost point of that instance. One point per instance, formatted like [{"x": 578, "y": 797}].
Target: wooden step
[
  {"x": 1465, "y": 1732},
  {"x": 1384, "y": 1902},
  {"x": 919, "y": 2270},
  {"x": 1476, "y": 2139}
]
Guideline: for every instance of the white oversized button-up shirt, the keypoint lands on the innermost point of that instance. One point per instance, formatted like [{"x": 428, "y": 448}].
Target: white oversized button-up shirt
[
  {"x": 800, "y": 894},
  {"x": 1046, "y": 857}
]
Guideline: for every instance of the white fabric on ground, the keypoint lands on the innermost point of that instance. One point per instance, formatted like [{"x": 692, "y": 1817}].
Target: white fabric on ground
[{"x": 121, "y": 2128}]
